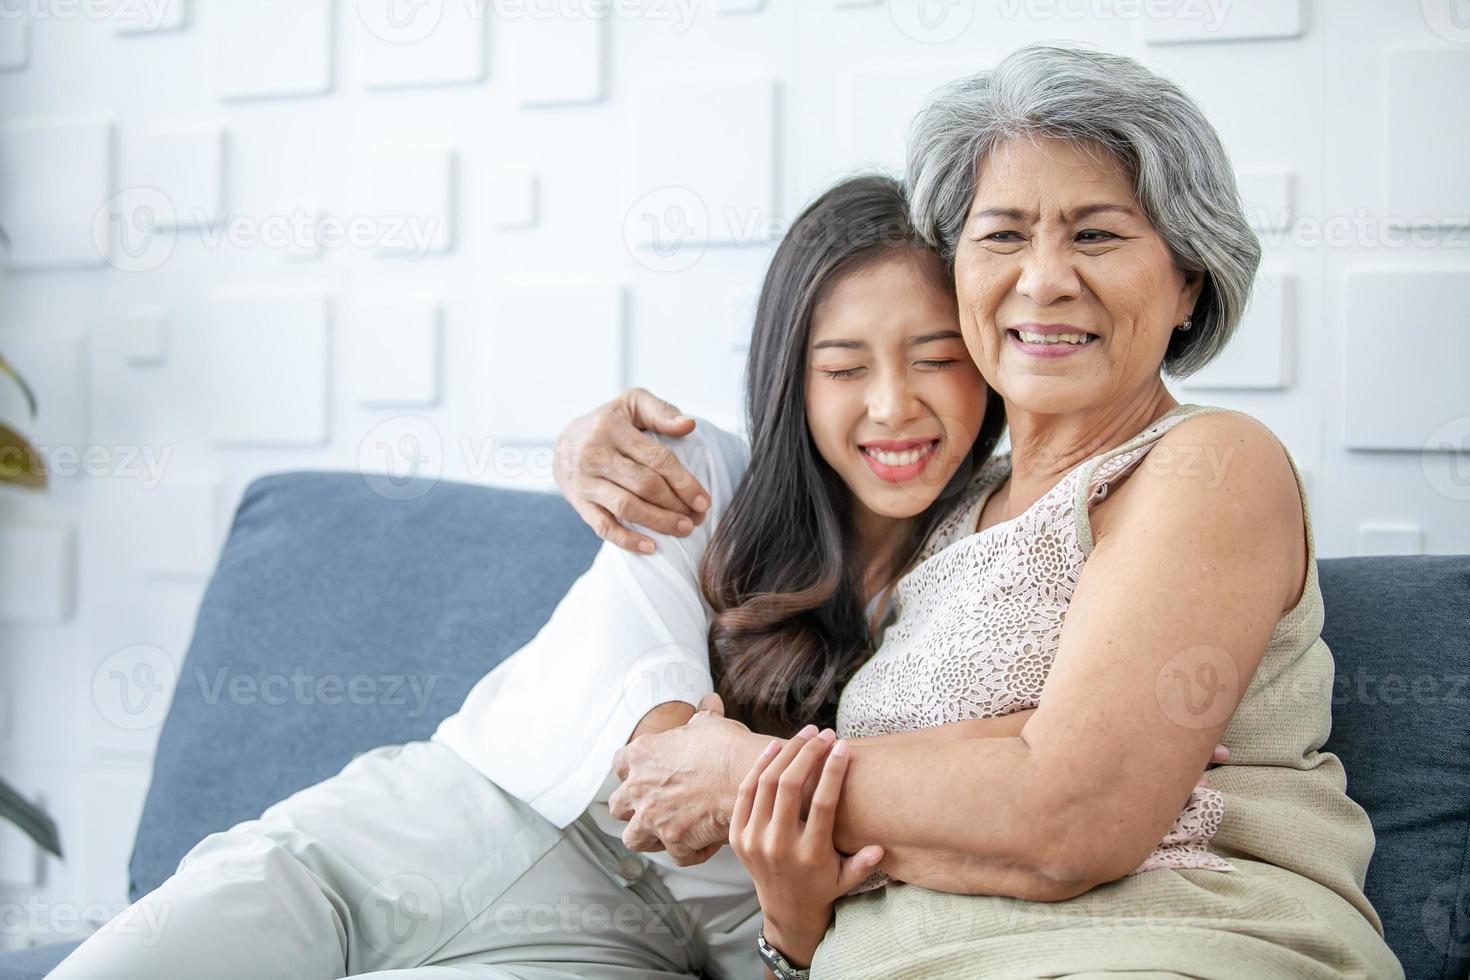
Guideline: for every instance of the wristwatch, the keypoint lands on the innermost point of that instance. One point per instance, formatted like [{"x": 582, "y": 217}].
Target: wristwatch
[{"x": 777, "y": 963}]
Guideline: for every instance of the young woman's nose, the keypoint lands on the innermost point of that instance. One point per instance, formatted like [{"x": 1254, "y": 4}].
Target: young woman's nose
[
  {"x": 1048, "y": 273},
  {"x": 891, "y": 399}
]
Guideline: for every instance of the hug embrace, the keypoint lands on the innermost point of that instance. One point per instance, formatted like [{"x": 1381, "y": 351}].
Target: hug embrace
[{"x": 866, "y": 696}]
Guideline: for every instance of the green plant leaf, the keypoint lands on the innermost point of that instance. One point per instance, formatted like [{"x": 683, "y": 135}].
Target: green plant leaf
[
  {"x": 25, "y": 389},
  {"x": 29, "y": 818},
  {"x": 19, "y": 463}
]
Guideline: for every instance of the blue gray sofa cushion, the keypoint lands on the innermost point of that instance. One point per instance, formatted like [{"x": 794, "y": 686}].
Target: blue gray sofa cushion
[{"x": 411, "y": 597}]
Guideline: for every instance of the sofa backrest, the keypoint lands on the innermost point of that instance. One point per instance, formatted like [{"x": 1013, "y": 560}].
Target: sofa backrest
[
  {"x": 340, "y": 618},
  {"x": 1399, "y": 629}
]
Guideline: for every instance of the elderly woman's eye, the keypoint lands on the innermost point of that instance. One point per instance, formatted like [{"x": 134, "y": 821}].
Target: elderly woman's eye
[
  {"x": 1095, "y": 235},
  {"x": 1002, "y": 236}
]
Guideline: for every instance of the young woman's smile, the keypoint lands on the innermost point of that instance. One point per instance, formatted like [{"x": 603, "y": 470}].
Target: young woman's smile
[{"x": 897, "y": 460}]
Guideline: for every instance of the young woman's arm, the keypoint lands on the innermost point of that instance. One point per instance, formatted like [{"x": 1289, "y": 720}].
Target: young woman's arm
[{"x": 627, "y": 642}]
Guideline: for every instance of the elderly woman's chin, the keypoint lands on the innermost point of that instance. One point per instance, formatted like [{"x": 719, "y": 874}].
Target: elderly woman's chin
[{"x": 1084, "y": 381}]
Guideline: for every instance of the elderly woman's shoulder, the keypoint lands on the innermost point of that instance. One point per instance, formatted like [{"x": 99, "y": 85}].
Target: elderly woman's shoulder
[
  {"x": 1225, "y": 428},
  {"x": 1229, "y": 457}
]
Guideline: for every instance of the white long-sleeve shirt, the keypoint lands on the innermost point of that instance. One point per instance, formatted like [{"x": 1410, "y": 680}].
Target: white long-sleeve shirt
[{"x": 630, "y": 634}]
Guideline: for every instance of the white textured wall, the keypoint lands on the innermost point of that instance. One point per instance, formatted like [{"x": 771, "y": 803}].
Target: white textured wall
[{"x": 539, "y": 206}]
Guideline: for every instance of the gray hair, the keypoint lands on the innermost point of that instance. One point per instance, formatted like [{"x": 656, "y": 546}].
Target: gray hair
[{"x": 1181, "y": 175}]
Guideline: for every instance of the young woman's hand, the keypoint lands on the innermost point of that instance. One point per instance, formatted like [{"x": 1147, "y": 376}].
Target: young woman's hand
[
  {"x": 798, "y": 873},
  {"x": 613, "y": 474}
]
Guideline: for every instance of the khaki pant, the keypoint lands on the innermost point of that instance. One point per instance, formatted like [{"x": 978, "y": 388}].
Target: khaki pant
[{"x": 410, "y": 864}]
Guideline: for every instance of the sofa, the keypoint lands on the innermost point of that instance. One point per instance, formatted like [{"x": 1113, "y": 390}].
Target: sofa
[{"x": 333, "y": 575}]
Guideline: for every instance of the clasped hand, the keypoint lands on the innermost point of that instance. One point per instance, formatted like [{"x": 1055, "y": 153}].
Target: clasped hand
[{"x": 679, "y": 786}]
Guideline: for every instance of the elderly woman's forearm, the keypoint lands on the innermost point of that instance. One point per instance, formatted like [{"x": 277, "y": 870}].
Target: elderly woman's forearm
[
  {"x": 1002, "y": 726},
  {"x": 973, "y": 816}
]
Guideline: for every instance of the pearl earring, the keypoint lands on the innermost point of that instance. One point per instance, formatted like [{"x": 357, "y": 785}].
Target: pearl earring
[{"x": 1186, "y": 324}]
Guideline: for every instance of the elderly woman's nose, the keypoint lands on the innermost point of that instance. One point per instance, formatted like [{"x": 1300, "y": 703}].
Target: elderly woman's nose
[{"x": 1048, "y": 275}]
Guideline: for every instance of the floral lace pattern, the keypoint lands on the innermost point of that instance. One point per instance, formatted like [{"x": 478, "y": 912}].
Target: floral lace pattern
[{"x": 977, "y": 624}]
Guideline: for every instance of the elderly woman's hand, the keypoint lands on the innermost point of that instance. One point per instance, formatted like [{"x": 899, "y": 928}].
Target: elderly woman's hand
[
  {"x": 613, "y": 473},
  {"x": 679, "y": 786}
]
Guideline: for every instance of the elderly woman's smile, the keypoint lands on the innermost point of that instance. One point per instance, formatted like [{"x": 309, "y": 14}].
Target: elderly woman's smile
[{"x": 1068, "y": 295}]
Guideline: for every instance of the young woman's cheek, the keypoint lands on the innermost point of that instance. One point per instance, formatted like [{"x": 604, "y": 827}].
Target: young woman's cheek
[
  {"x": 827, "y": 416},
  {"x": 959, "y": 396}
]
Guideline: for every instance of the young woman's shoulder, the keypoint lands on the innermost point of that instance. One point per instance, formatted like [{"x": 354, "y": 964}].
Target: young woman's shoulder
[{"x": 716, "y": 457}]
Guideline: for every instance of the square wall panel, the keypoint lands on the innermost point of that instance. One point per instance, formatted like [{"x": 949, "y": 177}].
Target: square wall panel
[
  {"x": 270, "y": 48},
  {"x": 187, "y": 167},
  {"x": 557, "y": 59},
  {"x": 111, "y": 811},
  {"x": 52, "y": 358},
  {"x": 267, "y": 369},
  {"x": 15, "y": 44},
  {"x": 144, "y": 336},
  {"x": 511, "y": 198},
  {"x": 179, "y": 525},
  {"x": 1268, "y": 198},
  {"x": 411, "y": 196},
  {"x": 1426, "y": 136},
  {"x": 405, "y": 45},
  {"x": 878, "y": 107},
  {"x": 1407, "y": 356},
  {"x": 709, "y": 147},
  {"x": 20, "y": 859},
  {"x": 1390, "y": 538},
  {"x": 1258, "y": 356},
  {"x": 1193, "y": 21},
  {"x": 55, "y": 184},
  {"x": 393, "y": 351},
  {"x": 37, "y": 573},
  {"x": 555, "y": 345}
]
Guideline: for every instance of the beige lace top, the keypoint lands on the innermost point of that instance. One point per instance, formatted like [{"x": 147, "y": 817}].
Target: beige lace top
[{"x": 975, "y": 626}]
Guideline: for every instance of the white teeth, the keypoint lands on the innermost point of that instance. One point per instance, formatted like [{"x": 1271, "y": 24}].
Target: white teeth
[
  {"x": 1053, "y": 338},
  {"x": 897, "y": 459}
]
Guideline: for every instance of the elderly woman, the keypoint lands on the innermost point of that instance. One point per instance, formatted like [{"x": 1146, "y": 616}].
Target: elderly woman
[{"x": 1139, "y": 572}]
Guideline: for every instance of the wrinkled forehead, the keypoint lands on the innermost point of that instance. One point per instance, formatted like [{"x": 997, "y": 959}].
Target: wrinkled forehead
[{"x": 1033, "y": 172}]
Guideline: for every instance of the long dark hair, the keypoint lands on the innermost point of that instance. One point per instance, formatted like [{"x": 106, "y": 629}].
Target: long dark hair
[{"x": 789, "y": 626}]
